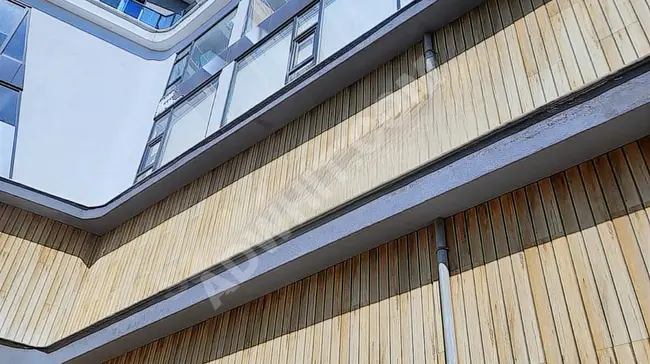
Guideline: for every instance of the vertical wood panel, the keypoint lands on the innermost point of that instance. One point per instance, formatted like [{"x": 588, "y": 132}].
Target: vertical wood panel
[{"x": 498, "y": 61}]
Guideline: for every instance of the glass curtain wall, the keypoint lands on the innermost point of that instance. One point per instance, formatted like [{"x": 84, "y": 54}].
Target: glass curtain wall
[
  {"x": 310, "y": 37},
  {"x": 13, "y": 35},
  {"x": 8, "y": 123},
  {"x": 346, "y": 20}
]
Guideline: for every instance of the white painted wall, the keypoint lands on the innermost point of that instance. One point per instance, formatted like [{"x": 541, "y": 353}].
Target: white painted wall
[{"x": 85, "y": 114}]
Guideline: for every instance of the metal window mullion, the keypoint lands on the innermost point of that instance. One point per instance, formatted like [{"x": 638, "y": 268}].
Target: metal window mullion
[{"x": 292, "y": 49}]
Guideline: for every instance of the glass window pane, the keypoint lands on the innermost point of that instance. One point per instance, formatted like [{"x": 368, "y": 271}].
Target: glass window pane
[
  {"x": 152, "y": 152},
  {"x": 259, "y": 74},
  {"x": 210, "y": 44},
  {"x": 165, "y": 22},
  {"x": 149, "y": 17},
  {"x": 6, "y": 148},
  {"x": 8, "y": 106},
  {"x": 16, "y": 46},
  {"x": 177, "y": 70},
  {"x": 306, "y": 20},
  {"x": 304, "y": 50},
  {"x": 112, "y": 3},
  {"x": 260, "y": 10},
  {"x": 10, "y": 15},
  {"x": 143, "y": 175},
  {"x": 159, "y": 127},
  {"x": 189, "y": 123},
  {"x": 133, "y": 8},
  {"x": 345, "y": 20}
]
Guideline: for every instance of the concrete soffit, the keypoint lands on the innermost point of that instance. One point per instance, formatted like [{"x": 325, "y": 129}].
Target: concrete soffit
[{"x": 576, "y": 128}]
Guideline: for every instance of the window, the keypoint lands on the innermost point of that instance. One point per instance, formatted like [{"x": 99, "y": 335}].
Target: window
[
  {"x": 13, "y": 34},
  {"x": 280, "y": 59},
  {"x": 209, "y": 45},
  {"x": 346, "y": 20},
  {"x": 10, "y": 16},
  {"x": 8, "y": 122},
  {"x": 259, "y": 74},
  {"x": 201, "y": 52},
  {"x": 260, "y": 10},
  {"x": 178, "y": 130}
]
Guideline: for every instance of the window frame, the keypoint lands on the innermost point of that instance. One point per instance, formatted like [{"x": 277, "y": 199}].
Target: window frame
[{"x": 293, "y": 70}]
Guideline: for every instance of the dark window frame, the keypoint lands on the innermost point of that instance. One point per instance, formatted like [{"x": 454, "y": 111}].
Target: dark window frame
[{"x": 294, "y": 70}]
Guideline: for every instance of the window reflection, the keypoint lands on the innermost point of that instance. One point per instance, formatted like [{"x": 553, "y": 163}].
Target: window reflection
[
  {"x": 345, "y": 20},
  {"x": 10, "y": 16},
  {"x": 189, "y": 123},
  {"x": 260, "y": 10},
  {"x": 8, "y": 121},
  {"x": 210, "y": 44},
  {"x": 259, "y": 74}
]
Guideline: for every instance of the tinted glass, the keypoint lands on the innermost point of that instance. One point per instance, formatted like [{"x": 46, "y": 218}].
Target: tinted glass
[
  {"x": 210, "y": 44},
  {"x": 177, "y": 70},
  {"x": 111, "y": 3},
  {"x": 149, "y": 17},
  {"x": 10, "y": 15},
  {"x": 16, "y": 46},
  {"x": 7, "y": 133},
  {"x": 8, "y": 106},
  {"x": 133, "y": 8}
]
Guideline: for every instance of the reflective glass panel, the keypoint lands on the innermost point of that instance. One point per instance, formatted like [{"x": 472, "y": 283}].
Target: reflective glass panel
[
  {"x": 177, "y": 70},
  {"x": 189, "y": 123},
  {"x": 8, "y": 106},
  {"x": 210, "y": 44},
  {"x": 259, "y": 74},
  {"x": 133, "y": 8},
  {"x": 304, "y": 50},
  {"x": 111, "y": 3},
  {"x": 345, "y": 20},
  {"x": 152, "y": 152},
  {"x": 149, "y": 17},
  {"x": 10, "y": 15},
  {"x": 159, "y": 127},
  {"x": 7, "y": 133},
  {"x": 16, "y": 46},
  {"x": 260, "y": 10},
  {"x": 306, "y": 20}
]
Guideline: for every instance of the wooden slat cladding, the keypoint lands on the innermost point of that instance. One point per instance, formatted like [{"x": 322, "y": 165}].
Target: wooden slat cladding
[
  {"x": 554, "y": 272},
  {"x": 42, "y": 263},
  {"x": 497, "y": 62},
  {"x": 558, "y": 271},
  {"x": 380, "y": 306}
]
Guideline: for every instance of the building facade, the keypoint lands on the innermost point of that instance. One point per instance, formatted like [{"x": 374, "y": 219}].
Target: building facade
[{"x": 325, "y": 181}]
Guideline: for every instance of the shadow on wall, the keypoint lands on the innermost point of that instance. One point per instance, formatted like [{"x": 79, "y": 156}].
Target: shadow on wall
[
  {"x": 493, "y": 17},
  {"x": 17, "y": 224},
  {"x": 389, "y": 295}
]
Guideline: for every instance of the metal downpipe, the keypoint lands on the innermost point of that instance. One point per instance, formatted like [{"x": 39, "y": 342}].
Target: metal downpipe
[{"x": 445, "y": 293}]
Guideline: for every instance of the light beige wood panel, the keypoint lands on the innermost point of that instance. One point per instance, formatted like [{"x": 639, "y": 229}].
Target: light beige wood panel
[
  {"x": 532, "y": 282},
  {"x": 325, "y": 317},
  {"x": 581, "y": 287},
  {"x": 495, "y": 63},
  {"x": 42, "y": 263}
]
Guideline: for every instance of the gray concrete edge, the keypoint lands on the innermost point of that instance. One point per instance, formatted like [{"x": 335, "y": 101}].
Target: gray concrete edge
[
  {"x": 361, "y": 57},
  {"x": 604, "y": 122}
]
